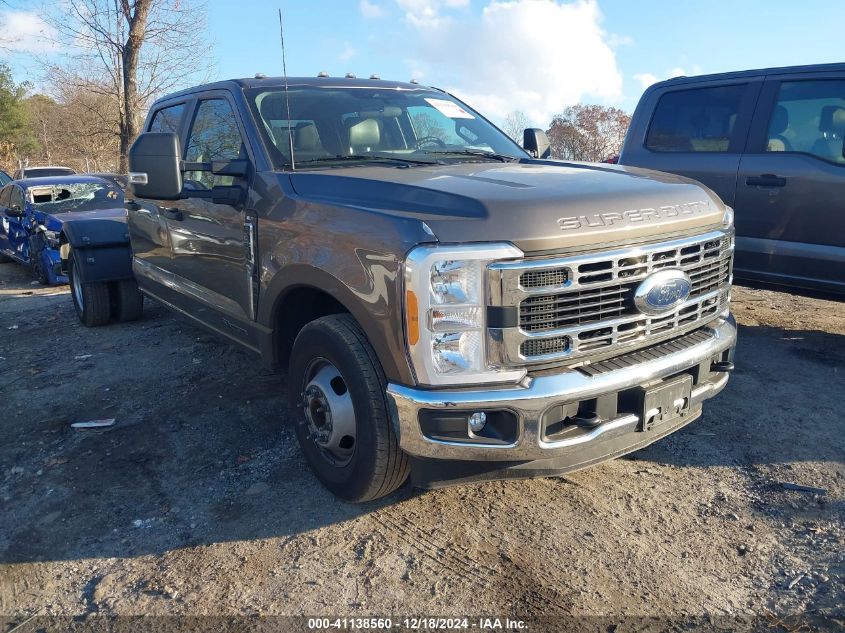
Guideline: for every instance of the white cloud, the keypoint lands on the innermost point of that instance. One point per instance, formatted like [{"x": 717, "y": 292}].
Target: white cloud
[
  {"x": 26, "y": 31},
  {"x": 534, "y": 56},
  {"x": 647, "y": 79},
  {"x": 370, "y": 9},
  {"x": 427, "y": 13}
]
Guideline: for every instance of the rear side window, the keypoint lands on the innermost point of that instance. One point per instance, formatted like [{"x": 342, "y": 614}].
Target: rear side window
[
  {"x": 167, "y": 119},
  {"x": 809, "y": 117},
  {"x": 698, "y": 120}
]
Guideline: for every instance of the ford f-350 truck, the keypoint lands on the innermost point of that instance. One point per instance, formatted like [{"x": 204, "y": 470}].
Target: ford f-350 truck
[{"x": 446, "y": 303}]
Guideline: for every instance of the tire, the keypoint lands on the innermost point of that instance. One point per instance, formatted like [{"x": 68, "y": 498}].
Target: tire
[
  {"x": 127, "y": 301},
  {"x": 375, "y": 466},
  {"x": 35, "y": 247},
  {"x": 92, "y": 300}
]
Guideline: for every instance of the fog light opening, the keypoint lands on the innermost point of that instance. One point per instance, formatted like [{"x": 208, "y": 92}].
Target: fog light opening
[{"x": 477, "y": 421}]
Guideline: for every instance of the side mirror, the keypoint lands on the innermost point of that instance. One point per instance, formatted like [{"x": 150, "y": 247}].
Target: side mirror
[
  {"x": 535, "y": 141},
  {"x": 154, "y": 166},
  {"x": 14, "y": 212}
]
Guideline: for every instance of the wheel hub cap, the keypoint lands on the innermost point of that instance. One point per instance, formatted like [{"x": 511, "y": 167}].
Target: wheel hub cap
[{"x": 329, "y": 414}]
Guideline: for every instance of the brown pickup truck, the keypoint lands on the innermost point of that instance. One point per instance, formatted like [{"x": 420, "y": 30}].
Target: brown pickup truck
[{"x": 445, "y": 302}]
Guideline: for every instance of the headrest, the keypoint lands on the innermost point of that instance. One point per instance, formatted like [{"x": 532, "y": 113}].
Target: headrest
[
  {"x": 364, "y": 134},
  {"x": 775, "y": 145},
  {"x": 780, "y": 120},
  {"x": 832, "y": 119},
  {"x": 305, "y": 136}
]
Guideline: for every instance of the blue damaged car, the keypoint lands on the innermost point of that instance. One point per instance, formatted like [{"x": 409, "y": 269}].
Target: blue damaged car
[{"x": 33, "y": 211}]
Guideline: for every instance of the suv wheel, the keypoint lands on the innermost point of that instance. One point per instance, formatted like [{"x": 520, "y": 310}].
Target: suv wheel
[
  {"x": 128, "y": 302},
  {"x": 92, "y": 300},
  {"x": 338, "y": 390}
]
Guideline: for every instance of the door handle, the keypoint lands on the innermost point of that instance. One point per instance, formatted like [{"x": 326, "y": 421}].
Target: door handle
[
  {"x": 766, "y": 180},
  {"x": 173, "y": 214}
]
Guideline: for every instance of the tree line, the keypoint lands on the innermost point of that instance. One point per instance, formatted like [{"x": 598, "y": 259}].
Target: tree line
[
  {"x": 581, "y": 132},
  {"x": 114, "y": 58}
]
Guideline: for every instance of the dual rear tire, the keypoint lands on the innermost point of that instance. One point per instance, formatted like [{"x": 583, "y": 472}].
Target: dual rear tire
[{"x": 99, "y": 302}]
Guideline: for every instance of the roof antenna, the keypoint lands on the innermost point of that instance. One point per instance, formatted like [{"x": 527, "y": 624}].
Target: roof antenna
[{"x": 287, "y": 99}]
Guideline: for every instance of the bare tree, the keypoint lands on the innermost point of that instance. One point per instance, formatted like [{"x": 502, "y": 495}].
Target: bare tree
[
  {"x": 515, "y": 124},
  {"x": 588, "y": 132},
  {"x": 131, "y": 51}
]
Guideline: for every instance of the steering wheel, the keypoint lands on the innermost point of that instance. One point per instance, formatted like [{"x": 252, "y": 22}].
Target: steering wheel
[{"x": 429, "y": 140}]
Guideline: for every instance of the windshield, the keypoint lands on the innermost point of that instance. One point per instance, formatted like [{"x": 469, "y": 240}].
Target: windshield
[
  {"x": 338, "y": 124},
  {"x": 77, "y": 196}
]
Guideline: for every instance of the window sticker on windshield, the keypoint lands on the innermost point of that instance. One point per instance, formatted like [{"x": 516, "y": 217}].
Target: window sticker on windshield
[{"x": 450, "y": 109}]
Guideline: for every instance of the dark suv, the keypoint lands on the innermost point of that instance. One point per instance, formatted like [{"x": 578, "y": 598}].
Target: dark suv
[{"x": 770, "y": 144}]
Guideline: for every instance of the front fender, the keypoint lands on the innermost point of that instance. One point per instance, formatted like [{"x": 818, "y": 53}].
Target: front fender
[{"x": 375, "y": 308}]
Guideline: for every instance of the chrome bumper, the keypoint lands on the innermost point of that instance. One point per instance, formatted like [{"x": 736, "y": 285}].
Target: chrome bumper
[{"x": 536, "y": 395}]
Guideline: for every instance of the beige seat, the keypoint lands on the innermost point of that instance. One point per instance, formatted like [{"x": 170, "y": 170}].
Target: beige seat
[
  {"x": 832, "y": 127},
  {"x": 364, "y": 136},
  {"x": 780, "y": 123}
]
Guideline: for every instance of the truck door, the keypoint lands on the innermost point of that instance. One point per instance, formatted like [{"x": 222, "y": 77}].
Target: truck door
[
  {"x": 207, "y": 238},
  {"x": 790, "y": 215},
  {"x": 147, "y": 226},
  {"x": 693, "y": 130}
]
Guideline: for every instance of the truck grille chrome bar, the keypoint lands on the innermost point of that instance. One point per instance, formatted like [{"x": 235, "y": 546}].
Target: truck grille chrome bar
[{"x": 583, "y": 305}]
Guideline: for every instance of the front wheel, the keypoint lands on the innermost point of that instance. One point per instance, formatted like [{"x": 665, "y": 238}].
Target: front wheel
[
  {"x": 338, "y": 390},
  {"x": 92, "y": 300}
]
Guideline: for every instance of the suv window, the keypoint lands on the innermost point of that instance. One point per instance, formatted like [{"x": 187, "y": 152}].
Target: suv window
[
  {"x": 809, "y": 117},
  {"x": 214, "y": 136},
  {"x": 167, "y": 119},
  {"x": 697, "y": 120}
]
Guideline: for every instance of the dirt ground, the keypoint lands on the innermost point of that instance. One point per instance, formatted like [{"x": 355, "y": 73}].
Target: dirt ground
[{"x": 197, "y": 501}]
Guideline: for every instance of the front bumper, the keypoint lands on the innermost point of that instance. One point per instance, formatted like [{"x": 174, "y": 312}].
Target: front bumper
[{"x": 545, "y": 401}]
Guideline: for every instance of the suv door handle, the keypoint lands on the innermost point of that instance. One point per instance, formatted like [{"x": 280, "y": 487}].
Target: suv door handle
[
  {"x": 765, "y": 180},
  {"x": 173, "y": 214}
]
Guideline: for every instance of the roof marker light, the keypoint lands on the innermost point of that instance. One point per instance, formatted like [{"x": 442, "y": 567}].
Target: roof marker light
[{"x": 322, "y": 73}]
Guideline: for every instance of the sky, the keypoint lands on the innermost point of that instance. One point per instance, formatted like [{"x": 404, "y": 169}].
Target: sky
[{"x": 536, "y": 56}]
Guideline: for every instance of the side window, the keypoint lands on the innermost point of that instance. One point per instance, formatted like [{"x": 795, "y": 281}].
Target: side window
[
  {"x": 697, "y": 120},
  {"x": 809, "y": 117},
  {"x": 16, "y": 197},
  {"x": 167, "y": 119},
  {"x": 4, "y": 197},
  {"x": 214, "y": 135}
]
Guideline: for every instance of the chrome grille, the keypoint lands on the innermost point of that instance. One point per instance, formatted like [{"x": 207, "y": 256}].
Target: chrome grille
[{"x": 583, "y": 305}]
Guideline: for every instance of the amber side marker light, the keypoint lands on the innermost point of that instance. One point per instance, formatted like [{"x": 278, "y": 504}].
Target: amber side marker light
[{"x": 413, "y": 317}]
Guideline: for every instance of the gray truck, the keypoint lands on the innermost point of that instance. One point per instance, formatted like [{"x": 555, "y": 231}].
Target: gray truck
[{"x": 446, "y": 303}]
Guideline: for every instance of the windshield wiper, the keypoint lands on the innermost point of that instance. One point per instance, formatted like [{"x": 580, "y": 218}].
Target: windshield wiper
[
  {"x": 353, "y": 157},
  {"x": 474, "y": 152}
]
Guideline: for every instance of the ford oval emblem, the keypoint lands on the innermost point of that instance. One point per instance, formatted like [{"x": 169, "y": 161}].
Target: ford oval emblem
[{"x": 662, "y": 291}]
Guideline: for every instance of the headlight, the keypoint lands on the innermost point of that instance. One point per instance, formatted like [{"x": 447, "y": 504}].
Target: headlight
[
  {"x": 728, "y": 218},
  {"x": 445, "y": 310}
]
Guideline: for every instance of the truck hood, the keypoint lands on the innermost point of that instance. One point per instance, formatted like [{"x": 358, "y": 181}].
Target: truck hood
[{"x": 538, "y": 206}]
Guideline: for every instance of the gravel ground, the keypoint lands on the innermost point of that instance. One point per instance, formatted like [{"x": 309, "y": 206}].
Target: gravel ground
[{"x": 214, "y": 512}]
